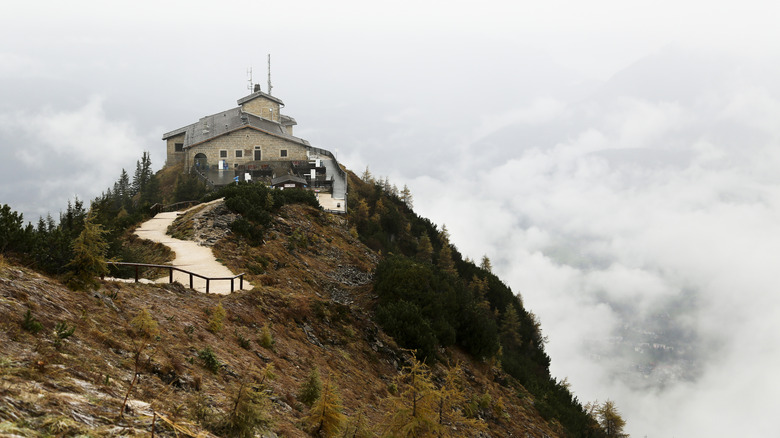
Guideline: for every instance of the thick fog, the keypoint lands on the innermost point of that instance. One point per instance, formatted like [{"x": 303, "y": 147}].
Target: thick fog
[{"x": 619, "y": 164}]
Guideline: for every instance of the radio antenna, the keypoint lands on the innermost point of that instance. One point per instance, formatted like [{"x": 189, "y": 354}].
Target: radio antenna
[{"x": 269, "y": 74}]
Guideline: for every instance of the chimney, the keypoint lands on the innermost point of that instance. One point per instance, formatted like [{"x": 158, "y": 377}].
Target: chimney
[{"x": 257, "y": 88}]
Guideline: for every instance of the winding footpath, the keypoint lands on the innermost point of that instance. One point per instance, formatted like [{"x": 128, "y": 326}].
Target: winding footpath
[{"x": 189, "y": 256}]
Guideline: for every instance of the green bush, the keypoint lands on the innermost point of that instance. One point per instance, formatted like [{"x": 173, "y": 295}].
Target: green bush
[
  {"x": 31, "y": 324},
  {"x": 255, "y": 202},
  {"x": 311, "y": 388},
  {"x": 266, "y": 339},
  {"x": 210, "y": 361}
]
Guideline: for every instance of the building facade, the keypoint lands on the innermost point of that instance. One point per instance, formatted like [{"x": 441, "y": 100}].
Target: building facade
[{"x": 255, "y": 141}]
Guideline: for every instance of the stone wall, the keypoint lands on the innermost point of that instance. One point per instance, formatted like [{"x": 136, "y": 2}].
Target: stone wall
[
  {"x": 246, "y": 140},
  {"x": 173, "y": 157},
  {"x": 262, "y": 107}
]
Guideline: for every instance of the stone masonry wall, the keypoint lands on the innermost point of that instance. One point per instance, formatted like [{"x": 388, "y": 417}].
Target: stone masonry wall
[
  {"x": 262, "y": 107},
  {"x": 246, "y": 140},
  {"x": 173, "y": 157}
]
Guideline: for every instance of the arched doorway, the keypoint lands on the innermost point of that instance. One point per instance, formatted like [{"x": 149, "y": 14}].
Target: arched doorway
[{"x": 201, "y": 162}]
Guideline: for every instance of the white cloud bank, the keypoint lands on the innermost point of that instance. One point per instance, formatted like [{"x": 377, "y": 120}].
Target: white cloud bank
[
  {"x": 643, "y": 215},
  {"x": 61, "y": 154}
]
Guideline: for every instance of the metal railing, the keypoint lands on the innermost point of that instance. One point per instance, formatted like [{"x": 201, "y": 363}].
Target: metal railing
[{"x": 191, "y": 274}]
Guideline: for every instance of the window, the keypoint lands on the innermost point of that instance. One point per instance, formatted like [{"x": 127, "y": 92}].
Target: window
[
  {"x": 239, "y": 153},
  {"x": 178, "y": 147},
  {"x": 222, "y": 154},
  {"x": 283, "y": 153}
]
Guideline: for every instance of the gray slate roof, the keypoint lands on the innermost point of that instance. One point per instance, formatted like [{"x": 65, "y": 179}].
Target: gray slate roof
[{"x": 215, "y": 125}]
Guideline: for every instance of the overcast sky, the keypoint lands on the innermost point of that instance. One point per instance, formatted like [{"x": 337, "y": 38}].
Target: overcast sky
[{"x": 618, "y": 161}]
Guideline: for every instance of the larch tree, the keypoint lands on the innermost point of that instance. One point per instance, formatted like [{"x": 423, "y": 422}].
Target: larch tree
[
  {"x": 449, "y": 401},
  {"x": 412, "y": 412},
  {"x": 367, "y": 177},
  {"x": 421, "y": 409},
  {"x": 424, "y": 249},
  {"x": 486, "y": 265},
  {"x": 610, "y": 419},
  {"x": 89, "y": 256},
  {"x": 406, "y": 197},
  {"x": 445, "y": 262},
  {"x": 326, "y": 415}
]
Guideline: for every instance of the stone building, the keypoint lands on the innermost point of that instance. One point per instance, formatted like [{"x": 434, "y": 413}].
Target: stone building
[{"x": 254, "y": 141}]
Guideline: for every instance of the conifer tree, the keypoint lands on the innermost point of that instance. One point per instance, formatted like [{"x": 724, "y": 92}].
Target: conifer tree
[
  {"x": 424, "y": 249},
  {"x": 445, "y": 262},
  {"x": 143, "y": 172},
  {"x": 412, "y": 412},
  {"x": 358, "y": 427},
  {"x": 248, "y": 414},
  {"x": 367, "y": 177},
  {"x": 144, "y": 330},
  {"x": 486, "y": 265},
  {"x": 89, "y": 256},
  {"x": 449, "y": 400},
  {"x": 122, "y": 191},
  {"x": 510, "y": 328},
  {"x": 325, "y": 417},
  {"x": 406, "y": 196},
  {"x": 609, "y": 418},
  {"x": 311, "y": 388}
]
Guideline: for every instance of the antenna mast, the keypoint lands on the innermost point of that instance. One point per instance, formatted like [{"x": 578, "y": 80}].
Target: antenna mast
[
  {"x": 269, "y": 74},
  {"x": 249, "y": 78}
]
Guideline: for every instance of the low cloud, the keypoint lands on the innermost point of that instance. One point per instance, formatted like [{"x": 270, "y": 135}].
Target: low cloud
[
  {"x": 64, "y": 153},
  {"x": 644, "y": 235}
]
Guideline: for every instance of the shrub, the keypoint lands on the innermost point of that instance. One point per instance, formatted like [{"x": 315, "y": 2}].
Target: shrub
[
  {"x": 31, "y": 324},
  {"x": 311, "y": 388},
  {"x": 266, "y": 339},
  {"x": 144, "y": 325},
  {"x": 62, "y": 332},
  {"x": 210, "y": 361},
  {"x": 242, "y": 341},
  {"x": 249, "y": 414},
  {"x": 217, "y": 319}
]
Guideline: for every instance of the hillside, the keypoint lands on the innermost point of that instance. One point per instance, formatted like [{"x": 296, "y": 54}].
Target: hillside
[{"x": 317, "y": 295}]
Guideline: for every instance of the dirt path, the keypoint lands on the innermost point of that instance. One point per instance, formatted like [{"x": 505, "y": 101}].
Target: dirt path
[{"x": 189, "y": 256}]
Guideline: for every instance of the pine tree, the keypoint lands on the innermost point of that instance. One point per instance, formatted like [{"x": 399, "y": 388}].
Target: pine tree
[
  {"x": 122, "y": 191},
  {"x": 325, "y": 417},
  {"x": 89, "y": 256},
  {"x": 143, "y": 172}
]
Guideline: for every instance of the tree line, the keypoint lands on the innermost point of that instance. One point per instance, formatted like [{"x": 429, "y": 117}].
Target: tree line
[{"x": 62, "y": 247}]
